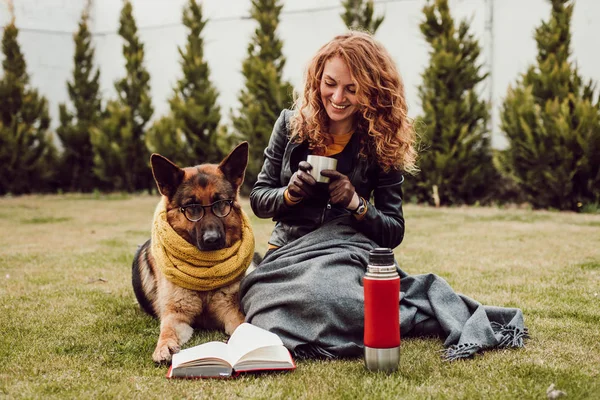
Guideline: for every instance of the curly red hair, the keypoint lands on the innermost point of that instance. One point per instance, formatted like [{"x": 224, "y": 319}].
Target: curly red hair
[{"x": 388, "y": 134}]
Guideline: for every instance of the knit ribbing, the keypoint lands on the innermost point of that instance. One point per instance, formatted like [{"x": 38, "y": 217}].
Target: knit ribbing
[{"x": 187, "y": 266}]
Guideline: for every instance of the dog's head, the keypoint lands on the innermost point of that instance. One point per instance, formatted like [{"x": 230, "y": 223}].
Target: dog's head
[{"x": 190, "y": 192}]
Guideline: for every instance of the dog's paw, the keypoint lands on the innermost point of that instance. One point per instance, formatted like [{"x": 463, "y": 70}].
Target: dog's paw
[
  {"x": 164, "y": 351},
  {"x": 232, "y": 324}
]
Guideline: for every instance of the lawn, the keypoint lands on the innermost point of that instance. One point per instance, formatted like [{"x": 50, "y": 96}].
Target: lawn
[{"x": 70, "y": 326}]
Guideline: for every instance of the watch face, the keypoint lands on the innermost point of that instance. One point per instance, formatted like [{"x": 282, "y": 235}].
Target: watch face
[{"x": 361, "y": 207}]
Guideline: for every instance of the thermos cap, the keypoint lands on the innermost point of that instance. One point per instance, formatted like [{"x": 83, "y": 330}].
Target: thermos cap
[{"x": 381, "y": 256}]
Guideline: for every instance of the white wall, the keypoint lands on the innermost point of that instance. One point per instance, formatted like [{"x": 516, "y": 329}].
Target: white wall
[{"x": 47, "y": 26}]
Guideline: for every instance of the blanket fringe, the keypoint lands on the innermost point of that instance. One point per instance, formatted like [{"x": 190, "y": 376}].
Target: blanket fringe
[
  {"x": 511, "y": 335},
  {"x": 460, "y": 351}
]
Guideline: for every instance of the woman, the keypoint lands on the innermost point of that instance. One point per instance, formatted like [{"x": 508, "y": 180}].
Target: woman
[
  {"x": 353, "y": 109},
  {"x": 308, "y": 289}
]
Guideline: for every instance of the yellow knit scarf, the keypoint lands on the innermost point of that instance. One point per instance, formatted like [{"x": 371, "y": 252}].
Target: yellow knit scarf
[{"x": 186, "y": 266}]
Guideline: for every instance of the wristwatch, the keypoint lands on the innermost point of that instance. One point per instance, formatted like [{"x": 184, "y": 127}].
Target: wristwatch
[{"x": 361, "y": 207}]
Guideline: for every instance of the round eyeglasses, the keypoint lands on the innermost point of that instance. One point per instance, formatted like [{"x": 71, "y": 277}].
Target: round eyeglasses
[{"x": 195, "y": 212}]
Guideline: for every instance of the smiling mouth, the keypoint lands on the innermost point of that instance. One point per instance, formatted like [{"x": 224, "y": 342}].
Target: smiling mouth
[{"x": 336, "y": 106}]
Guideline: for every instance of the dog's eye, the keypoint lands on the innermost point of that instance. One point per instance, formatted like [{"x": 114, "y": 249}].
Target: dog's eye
[
  {"x": 221, "y": 208},
  {"x": 194, "y": 212}
]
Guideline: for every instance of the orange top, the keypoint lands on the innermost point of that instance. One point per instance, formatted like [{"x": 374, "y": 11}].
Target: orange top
[{"x": 336, "y": 143}]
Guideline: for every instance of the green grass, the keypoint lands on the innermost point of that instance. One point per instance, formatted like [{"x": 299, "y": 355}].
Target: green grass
[{"x": 70, "y": 326}]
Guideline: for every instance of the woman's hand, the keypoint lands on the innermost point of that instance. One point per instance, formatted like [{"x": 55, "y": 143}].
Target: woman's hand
[
  {"x": 302, "y": 184},
  {"x": 341, "y": 190}
]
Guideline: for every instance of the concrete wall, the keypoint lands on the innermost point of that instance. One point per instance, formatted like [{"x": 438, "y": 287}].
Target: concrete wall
[{"x": 47, "y": 26}]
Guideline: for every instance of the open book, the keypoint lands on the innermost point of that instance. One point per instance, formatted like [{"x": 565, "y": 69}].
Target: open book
[{"x": 249, "y": 348}]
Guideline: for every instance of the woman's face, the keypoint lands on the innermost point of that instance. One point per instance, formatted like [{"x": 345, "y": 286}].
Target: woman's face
[{"x": 338, "y": 94}]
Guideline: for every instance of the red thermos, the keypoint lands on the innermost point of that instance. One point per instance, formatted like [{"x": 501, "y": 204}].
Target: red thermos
[{"x": 382, "y": 312}]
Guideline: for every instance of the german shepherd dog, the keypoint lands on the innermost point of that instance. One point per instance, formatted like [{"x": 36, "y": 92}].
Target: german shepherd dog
[{"x": 180, "y": 310}]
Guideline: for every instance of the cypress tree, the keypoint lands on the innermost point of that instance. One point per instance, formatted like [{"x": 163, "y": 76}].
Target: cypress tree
[
  {"x": 166, "y": 137},
  {"x": 25, "y": 143},
  {"x": 113, "y": 141},
  {"x": 119, "y": 142},
  {"x": 188, "y": 136},
  {"x": 552, "y": 123},
  {"x": 265, "y": 94},
  {"x": 74, "y": 131},
  {"x": 358, "y": 15},
  {"x": 455, "y": 161}
]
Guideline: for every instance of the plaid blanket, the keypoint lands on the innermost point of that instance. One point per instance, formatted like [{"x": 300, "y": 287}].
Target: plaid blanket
[{"x": 310, "y": 293}]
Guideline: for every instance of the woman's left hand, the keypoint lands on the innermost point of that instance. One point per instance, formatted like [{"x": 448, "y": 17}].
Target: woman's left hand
[{"x": 341, "y": 190}]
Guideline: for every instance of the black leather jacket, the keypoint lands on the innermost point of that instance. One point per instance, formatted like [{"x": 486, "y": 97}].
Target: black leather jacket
[{"x": 383, "y": 222}]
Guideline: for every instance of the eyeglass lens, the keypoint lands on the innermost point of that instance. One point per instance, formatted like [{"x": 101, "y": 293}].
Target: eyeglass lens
[{"x": 195, "y": 212}]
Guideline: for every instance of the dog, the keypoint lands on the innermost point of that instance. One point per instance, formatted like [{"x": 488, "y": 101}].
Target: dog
[{"x": 209, "y": 195}]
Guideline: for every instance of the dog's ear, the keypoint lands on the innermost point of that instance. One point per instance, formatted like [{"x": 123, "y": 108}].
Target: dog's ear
[
  {"x": 234, "y": 165},
  {"x": 167, "y": 175}
]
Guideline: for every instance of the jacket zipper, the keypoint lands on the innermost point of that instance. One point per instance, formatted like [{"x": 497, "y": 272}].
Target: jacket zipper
[
  {"x": 351, "y": 177},
  {"x": 327, "y": 207}
]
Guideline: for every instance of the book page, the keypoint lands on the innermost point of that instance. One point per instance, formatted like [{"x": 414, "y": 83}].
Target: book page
[
  {"x": 207, "y": 353},
  {"x": 271, "y": 357},
  {"x": 247, "y": 338}
]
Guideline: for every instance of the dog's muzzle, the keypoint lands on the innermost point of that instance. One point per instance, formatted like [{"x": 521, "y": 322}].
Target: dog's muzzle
[{"x": 211, "y": 239}]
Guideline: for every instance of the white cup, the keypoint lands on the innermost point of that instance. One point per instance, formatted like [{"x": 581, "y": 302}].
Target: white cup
[{"x": 319, "y": 163}]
